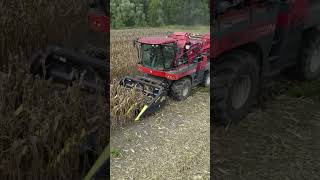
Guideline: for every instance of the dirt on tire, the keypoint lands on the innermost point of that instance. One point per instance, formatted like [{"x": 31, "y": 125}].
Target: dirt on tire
[{"x": 178, "y": 88}]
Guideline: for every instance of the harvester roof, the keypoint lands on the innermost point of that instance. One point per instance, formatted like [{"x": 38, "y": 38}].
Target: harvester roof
[
  {"x": 181, "y": 38},
  {"x": 156, "y": 40}
]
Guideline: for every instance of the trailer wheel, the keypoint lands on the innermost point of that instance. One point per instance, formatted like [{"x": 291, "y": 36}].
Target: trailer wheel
[
  {"x": 236, "y": 78},
  {"x": 310, "y": 56},
  {"x": 181, "y": 89}
]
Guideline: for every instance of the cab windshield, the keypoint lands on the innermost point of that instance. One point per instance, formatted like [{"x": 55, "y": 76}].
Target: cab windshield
[{"x": 160, "y": 57}]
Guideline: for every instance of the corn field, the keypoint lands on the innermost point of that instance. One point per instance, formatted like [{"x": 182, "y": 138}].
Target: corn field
[
  {"x": 31, "y": 24},
  {"x": 123, "y": 62},
  {"x": 42, "y": 131}
]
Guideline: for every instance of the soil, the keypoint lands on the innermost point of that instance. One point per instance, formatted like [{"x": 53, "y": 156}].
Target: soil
[
  {"x": 172, "y": 144},
  {"x": 279, "y": 142}
]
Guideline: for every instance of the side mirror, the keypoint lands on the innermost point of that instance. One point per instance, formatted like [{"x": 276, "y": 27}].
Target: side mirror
[{"x": 134, "y": 42}]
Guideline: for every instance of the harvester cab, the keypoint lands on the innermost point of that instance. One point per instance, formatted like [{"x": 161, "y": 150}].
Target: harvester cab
[
  {"x": 171, "y": 65},
  {"x": 164, "y": 57}
]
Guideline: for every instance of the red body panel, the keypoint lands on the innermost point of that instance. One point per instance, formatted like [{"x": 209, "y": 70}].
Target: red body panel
[
  {"x": 283, "y": 19},
  {"x": 245, "y": 35},
  {"x": 199, "y": 45},
  {"x": 99, "y": 21},
  {"x": 156, "y": 40},
  {"x": 298, "y": 11},
  {"x": 294, "y": 16},
  {"x": 171, "y": 75},
  {"x": 202, "y": 65},
  {"x": 250, "y": 34}
]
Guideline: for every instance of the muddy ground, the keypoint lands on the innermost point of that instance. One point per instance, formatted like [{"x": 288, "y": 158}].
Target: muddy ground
[
  {"x": 278, "y": 142},
  {"x": 172, "y": 144}
]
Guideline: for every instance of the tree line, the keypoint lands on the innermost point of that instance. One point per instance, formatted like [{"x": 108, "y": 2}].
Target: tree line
[{"x": 139, "y": 13}]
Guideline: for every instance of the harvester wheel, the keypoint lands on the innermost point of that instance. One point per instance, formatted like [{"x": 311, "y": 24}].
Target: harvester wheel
[
  {"x": 181, "y": 89},
  {"x": 235, "y": 86},
  {"x": 36, "y": 64},
  {"x": 310, "y": 55},
  {"x": 206, "y": 79}
]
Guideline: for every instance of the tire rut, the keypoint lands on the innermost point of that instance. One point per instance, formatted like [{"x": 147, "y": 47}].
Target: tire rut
[{"x": 172, "y": 144}]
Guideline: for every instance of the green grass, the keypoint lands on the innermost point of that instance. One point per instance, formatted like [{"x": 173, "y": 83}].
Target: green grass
[
  {"x": 203, "y": 89},
  {"x": 115, "y": 152}
]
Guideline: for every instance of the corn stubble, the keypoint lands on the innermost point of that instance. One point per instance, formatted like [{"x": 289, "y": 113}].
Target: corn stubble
[
  {"x": 41, "y": 130},
  {"x": 31, "y": 24}
]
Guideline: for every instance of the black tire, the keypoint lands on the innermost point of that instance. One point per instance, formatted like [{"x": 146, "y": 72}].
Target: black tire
[
  {"x": 309, "y": 60},
  {"x": 231, "y": 69},
  {"x": 206, "y": 79},
  {"x": 181, "y": 89},
  {"x": 36, "y": 64}
]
